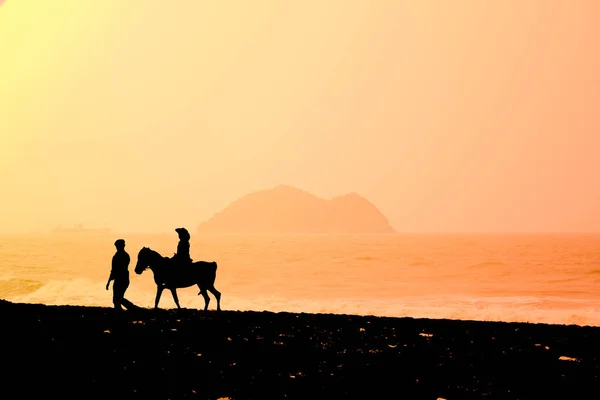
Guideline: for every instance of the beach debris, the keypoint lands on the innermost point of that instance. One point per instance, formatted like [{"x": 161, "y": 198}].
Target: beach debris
[{"x": 565, "y": 358}]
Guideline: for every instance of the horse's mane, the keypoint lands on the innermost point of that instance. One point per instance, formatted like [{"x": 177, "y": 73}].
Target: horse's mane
[{"x": 153, "y": 252}]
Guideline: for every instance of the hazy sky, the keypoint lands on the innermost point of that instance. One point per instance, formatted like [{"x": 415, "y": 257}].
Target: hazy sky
[{"x": 144, "y": 115}]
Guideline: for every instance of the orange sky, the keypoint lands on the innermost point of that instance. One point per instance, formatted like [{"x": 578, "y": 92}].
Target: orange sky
[{"x": 449, "y": 116}]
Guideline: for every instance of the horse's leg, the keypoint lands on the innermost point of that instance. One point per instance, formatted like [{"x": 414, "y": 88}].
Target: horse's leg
[
  {"x": 206, "y": 298},
  {"x": 174, "y": 293},
  {"x": 217, "y": 295},
  {"x": 159, "y": 290}
]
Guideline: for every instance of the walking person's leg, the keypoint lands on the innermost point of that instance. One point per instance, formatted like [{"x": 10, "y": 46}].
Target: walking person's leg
[
  {"x": 118, "y": 292},
  {"x": 128, "y": 305}
]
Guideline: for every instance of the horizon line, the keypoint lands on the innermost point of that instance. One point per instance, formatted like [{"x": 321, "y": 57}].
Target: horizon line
[{"x": 165, "y": 232}]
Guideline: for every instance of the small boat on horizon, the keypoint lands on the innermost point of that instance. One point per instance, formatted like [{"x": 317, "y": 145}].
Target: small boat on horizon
[{"x": 79, "y": 229}]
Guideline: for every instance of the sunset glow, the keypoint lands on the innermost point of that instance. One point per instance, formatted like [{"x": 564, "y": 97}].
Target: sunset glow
[
  {"x": 448, "y": 116},
  {"x": 324, "y": 199}
]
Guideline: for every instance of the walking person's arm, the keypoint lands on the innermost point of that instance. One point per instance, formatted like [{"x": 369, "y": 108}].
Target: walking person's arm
[{"x": 111, "y": 276}]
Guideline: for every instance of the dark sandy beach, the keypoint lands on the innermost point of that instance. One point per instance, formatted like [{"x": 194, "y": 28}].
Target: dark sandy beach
[{"x": 90, "y": 352}]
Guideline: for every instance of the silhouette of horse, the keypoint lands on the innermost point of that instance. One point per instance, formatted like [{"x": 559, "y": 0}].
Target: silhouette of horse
[{"x": 173, "y": 277}]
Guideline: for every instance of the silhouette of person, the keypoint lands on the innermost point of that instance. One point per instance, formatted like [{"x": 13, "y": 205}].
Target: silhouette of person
[
  {"x": 183, "y": 248},
  {"x": 120, "y": 274}
]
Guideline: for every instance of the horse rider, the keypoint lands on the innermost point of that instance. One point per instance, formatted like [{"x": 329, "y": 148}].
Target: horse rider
[{"x": 182, "y": 257}]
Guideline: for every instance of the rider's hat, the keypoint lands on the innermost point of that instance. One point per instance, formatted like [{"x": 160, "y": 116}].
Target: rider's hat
[{"x": 183, "y": 233}]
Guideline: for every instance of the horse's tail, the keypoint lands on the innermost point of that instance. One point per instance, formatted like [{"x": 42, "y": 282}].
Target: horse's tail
[
  {"x": 213, "y": 270},
  {"x": 208, "y": 277}
]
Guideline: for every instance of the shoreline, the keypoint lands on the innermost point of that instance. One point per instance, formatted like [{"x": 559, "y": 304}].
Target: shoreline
[
  {"x": 333, "y": 314},
  {"x": 94, "y": 351}
]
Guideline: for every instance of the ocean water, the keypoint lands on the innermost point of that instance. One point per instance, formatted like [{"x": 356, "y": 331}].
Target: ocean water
[{"x": 549, "y": 278}]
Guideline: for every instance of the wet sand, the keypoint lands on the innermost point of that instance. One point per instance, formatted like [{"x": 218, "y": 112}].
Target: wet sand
[{"x": 93, "y": 352}]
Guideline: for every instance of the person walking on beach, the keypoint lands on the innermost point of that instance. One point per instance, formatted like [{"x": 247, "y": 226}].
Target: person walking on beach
[
  {"x": 182, "y": 257},
  {"x": 120, "y": 274}
]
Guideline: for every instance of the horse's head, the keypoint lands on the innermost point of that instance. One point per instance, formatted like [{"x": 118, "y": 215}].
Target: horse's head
[{"x": 143, "y": 260}]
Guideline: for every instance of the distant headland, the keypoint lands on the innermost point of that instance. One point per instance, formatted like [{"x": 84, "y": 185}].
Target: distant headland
[{"x": 286, "y": 209}]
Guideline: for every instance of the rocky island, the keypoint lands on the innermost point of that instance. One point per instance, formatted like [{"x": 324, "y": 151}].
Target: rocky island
[{"x": 286, "y": 209}]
